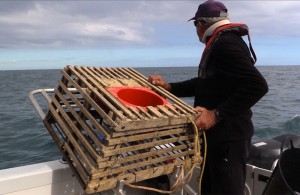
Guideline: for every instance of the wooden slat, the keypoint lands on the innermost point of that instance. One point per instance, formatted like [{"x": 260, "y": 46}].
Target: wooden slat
[
  {"x": 172, "y": 109},
  {"x": 102, "y": 185},
  {"x": 107, "y": 72},
  {"x": 151, "y": 153},
  {"x": 121, "y": 169},
  {"x": 155, "y": 112},
  {"x": 66, "y": 131},
  {"x": 80, "y": 121},
  {"x": 162, "y": 91},
  {"x": 110, "y": 96},
  {"x": 127, "y": 72},
  {"x": 146, "y": 130},
  {"x": 92, "y": 102},
  {"x": 79, "y": 167},
  {"x": 144, "y": 136},
  {"x": 71, "y": 128},
  {"x": 83, "y": 110},
  {"x": 144, "y": 145},
  {"x": 118, "y": 74},
  {"x": 164, "y": 110}
]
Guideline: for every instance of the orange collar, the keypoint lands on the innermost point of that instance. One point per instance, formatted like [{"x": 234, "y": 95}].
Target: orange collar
[{"x": 240, "y": 27}]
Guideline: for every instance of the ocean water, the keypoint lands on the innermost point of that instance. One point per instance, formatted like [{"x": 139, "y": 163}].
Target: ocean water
[{"x": 24, "y": 139}]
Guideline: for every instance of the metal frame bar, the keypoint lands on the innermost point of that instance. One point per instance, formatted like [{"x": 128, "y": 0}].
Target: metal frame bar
[{"x": 35, "y": 103}]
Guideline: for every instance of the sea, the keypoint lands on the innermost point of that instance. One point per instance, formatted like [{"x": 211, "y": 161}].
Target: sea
[{"x": 25, "y": 140}]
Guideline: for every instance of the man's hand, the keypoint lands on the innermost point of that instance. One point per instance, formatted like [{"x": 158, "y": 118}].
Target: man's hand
[
  {"x": 158, "y": 80},
  {"x": 206, "y": 119}
]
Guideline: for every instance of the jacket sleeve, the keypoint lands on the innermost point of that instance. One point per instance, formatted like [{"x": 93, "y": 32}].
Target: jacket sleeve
[
  {"x": 236, "y": 66},
  {"x": 184, "y": 88}
]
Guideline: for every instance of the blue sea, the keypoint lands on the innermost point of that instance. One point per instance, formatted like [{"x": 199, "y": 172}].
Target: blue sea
[{"x": 24, "y": 139}]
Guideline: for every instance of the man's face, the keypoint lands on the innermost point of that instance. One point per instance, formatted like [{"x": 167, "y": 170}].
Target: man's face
[{"x": 200, "y": 29}]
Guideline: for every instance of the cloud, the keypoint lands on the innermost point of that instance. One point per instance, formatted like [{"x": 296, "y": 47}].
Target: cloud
[
  {"x": 68, "y": 24},
  {"x": 268, "y": 18},
  {"x": 111, "y": 24}
]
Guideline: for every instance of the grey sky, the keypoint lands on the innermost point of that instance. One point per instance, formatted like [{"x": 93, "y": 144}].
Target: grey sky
[
  {"x": 89, "y": 23},
  {"x": 83, "y": 25}
]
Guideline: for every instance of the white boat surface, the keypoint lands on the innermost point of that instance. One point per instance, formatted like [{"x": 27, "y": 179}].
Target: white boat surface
[{"x": 56, "y": 178}]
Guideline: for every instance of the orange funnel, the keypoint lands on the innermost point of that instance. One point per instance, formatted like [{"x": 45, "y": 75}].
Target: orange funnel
[{"x": 137, "y": 96}]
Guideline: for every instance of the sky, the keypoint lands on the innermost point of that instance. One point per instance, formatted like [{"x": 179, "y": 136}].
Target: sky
[{"x": 50, "y": 34}]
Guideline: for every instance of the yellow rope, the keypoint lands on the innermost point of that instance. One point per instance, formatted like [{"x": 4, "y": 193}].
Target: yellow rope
[
  {"x": 203, "y": 163},
  {"x": 179, "y": 183},
  {"x": 148, "y": 188}
]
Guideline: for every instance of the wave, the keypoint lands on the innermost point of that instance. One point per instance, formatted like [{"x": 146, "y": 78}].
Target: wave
[{"x": 292, "y": 125}]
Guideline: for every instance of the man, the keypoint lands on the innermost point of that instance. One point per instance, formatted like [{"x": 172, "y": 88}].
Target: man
[{"x": 227, "y": 86}]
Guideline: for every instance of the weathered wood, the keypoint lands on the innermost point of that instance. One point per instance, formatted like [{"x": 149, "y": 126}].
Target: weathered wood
[
  {"x": 145, "y": 136},
  {"x": 105, "y": 140},
  {"x": 81, "y": 122},
  {"x": 144, "y": 145},
  {"x": 101, "y": 185},
  {"x": 70, "y": 135},
  {"x": 141, "y": 131},
  {"x": 151, "y": 154}
]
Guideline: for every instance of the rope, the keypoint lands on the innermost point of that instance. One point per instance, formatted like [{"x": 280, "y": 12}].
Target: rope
[
  {"x": 179, "y": 183},
  {"x": 203, "y": 164}
]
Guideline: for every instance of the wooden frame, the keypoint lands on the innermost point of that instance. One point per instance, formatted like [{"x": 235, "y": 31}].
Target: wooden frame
[{"x": 105, "y": 141}]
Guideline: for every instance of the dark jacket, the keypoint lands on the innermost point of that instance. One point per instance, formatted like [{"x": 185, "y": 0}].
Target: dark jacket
[{"x": 232, "y": 86}]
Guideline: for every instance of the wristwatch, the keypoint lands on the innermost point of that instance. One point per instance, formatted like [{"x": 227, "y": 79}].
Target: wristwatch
[{"x": 217, "y": 114}]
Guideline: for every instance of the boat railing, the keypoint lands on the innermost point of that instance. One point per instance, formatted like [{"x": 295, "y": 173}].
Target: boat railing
[{"x": 46, "y": 94}]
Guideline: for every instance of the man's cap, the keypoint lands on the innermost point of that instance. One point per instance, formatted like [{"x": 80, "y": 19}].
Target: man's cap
[{"x": 210, "y": 8}]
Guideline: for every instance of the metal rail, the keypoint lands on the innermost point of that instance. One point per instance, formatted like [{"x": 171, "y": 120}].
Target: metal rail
[
  {"x": 45, "y": 93},
  {"x": 35, "y": 103}
]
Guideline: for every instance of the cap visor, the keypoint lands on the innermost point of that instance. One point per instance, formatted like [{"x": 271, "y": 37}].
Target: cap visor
[{"x": 193, "y": 18}]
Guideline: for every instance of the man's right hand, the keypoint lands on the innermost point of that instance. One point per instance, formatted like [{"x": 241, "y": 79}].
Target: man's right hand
[{"x": 158, "y": 80}]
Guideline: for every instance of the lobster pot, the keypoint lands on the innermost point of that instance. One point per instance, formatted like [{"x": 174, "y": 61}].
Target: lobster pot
[{"x": 111, "y": 124}]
